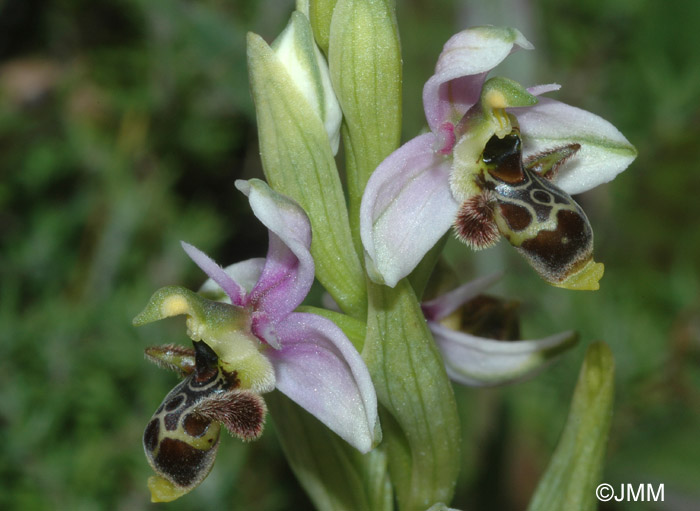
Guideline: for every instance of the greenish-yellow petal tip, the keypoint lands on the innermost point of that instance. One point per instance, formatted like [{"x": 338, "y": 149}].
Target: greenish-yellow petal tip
[
  {"x": 163, "y": 490},
  {"x": 586, "y": 279}
]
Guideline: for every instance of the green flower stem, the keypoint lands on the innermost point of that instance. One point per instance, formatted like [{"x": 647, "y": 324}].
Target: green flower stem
[
  {"x": 577, "y": 463},
  {"x": 365, "y": 66},
  {"x": 298, "y": 162},
  {"x": 335, "y": 476},
  {"x": 419, "y": 413}
]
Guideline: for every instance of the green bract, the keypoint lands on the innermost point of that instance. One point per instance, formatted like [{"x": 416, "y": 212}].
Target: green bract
[
  {"x": 365, "y": 63},
  {"x": 336, "y": 476},
  {"x": 320, "y": 15},
  {"x": 577, "y": 463},
  {"x": 421, "y": 426},
  {"x": 298, "y": 161}
]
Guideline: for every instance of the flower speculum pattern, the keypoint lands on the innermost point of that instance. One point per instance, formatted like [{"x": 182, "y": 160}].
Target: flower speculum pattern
[
  {"x": 517, "y": 199},
  {"x": 182, "y": 437}
]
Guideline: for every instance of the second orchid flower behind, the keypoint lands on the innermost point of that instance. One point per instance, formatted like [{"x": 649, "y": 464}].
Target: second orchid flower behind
[
  {"x": 479, "y": 361},
  {"x": 249, "y": 341},
  {"x": 498, "y": 160}
]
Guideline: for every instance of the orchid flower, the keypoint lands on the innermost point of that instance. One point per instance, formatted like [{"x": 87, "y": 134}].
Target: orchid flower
[
  {"x": 250, "y": 346},
  {"x": 497, "y": 160},
  {"x": 477, "y": 361}
]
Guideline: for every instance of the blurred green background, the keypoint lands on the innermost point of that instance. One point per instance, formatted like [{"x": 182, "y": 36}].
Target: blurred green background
[{"x": 123, "y": 125}]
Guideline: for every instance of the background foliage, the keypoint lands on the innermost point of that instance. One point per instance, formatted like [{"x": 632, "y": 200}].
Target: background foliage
[{"x": 123, "y": 125}]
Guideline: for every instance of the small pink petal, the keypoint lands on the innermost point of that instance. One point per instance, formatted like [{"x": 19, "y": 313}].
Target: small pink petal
[
  {"x": 246, "y": 274},
  {"x": 216, "y": 273},
  {"x": 537, "y": 90}
]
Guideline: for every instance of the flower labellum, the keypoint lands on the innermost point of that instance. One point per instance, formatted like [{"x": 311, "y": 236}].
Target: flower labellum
[
  {"x": 543, "y": 222},
  {"x": 182, "y": 437}
]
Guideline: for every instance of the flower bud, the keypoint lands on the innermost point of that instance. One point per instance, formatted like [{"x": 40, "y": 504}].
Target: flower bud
[
  {"x": 297, "y": 154},
  {"x": 308, "y": 70}
]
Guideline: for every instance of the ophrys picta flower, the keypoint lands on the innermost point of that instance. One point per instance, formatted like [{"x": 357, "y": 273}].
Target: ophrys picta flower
[
  {"x": 461, "y": 173},
  {"x": 251, "y": 345}
]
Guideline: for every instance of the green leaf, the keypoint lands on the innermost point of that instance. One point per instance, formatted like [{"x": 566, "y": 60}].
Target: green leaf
[
  {"x": 335, "y": 476},
  {"x": 577, "y": 463},
  {"x": 365, "y": 65},
  {"x": 418, "y": 414},
  {"x": 298, "y": 162}
]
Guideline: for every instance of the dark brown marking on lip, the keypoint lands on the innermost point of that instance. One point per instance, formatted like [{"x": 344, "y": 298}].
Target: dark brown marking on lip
[
  {"x": 194, "y": 425},
  {"x": 180, "y": 461},
  {"x": 517, "y": 217},
  {"x": 173, "y": 403},
  {"x": 559, "y": 250},
  {"x": 541, "y": 196},
  {"x": 171, "y": 421},
  {"x": 150, "y": 436}
]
